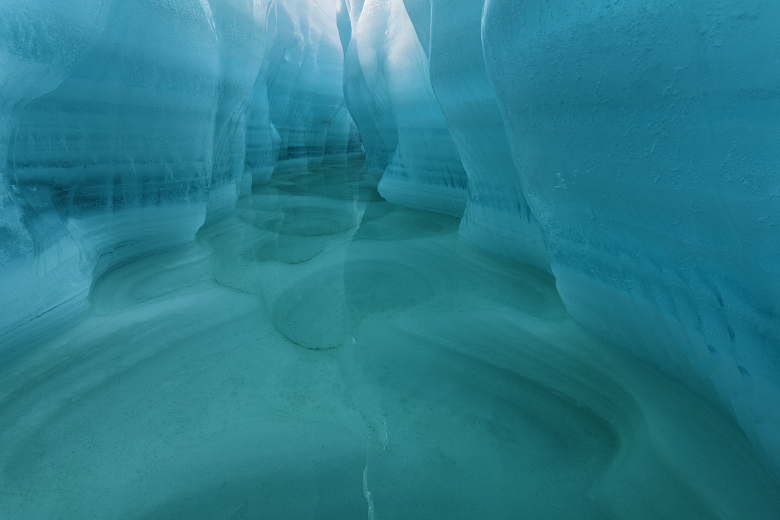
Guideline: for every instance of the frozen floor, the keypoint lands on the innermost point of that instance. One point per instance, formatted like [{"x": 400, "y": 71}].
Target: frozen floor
[{"x": 325, "y": 354}]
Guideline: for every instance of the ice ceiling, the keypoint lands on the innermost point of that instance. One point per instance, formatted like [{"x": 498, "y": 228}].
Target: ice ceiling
[{"x": 629, "y": 149}]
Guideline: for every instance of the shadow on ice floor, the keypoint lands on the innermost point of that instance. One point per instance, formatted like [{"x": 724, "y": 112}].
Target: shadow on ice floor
[{"x": 325, "y": 354}]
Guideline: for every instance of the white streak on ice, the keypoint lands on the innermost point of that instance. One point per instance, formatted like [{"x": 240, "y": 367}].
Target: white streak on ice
[{"x": 367, "y": 493}]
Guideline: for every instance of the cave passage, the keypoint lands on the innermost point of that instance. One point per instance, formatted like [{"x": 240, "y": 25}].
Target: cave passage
[{"x": 326, "y": 354}]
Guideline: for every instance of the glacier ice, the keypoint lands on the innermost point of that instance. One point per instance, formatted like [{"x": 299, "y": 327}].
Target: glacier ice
[
  {"x": 127, "y": 126},
  {"x": 179, "y": 186},
  {"x": 386, "y": 82},
  {"x": 497, "y": 219},
  {"x": 646, "y": 137},
  {"x": 322, "y": 344}
]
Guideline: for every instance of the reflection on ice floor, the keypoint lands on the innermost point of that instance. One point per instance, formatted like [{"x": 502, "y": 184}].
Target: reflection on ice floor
[{"x": 324, "y": 350}]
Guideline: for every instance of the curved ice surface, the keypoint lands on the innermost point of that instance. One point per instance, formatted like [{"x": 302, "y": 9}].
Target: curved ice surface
[
  {"x": 127, "y": 125},
  {"x": 630, "y": 148},
  {"x": 388, "y": 85},
  {"x": 647, "y": 140},
  {"x": 458, "y": 386},
  {"x": 304, "y": 80},
  {"x": 365, "y": 89},
  {"x": 497, "y": 218}
]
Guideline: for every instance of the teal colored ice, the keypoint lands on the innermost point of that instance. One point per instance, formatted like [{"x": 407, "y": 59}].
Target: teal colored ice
[
  {"x": 326, "y": 354},
  {"x": 395, "y": 258}
]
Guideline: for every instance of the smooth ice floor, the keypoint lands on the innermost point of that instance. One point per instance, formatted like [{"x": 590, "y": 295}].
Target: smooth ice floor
[{"x": 325, "y": 354}]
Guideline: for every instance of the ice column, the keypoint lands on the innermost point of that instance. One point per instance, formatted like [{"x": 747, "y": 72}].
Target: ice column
[
  {"x": 388, "y": 92},
  {"x": 497, "y": 219},
  {"x": 304, "y": 82}
]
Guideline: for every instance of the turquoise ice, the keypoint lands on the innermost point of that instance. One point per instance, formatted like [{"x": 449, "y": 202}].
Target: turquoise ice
[{"x": 403, "y": 258}]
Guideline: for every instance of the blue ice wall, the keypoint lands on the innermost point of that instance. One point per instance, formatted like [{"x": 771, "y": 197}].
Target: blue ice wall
[
  {"x": 630, "y": 148},
  {"x": 498, "y": 219},
  {"x": 430, "y": 122},
  {"x": 388, "y": 92},
  {"x": 647, "y": 138},
  {"x": 127, "y": 125},
  {"x": 365, "y": 90}
]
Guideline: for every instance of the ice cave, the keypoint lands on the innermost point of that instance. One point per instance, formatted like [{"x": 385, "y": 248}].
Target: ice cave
[{"x": 389, "y": 259}]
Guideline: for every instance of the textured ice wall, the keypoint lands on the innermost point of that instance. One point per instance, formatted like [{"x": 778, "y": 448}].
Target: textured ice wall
[
  {"x": 127, "y": 125},
  {"x": 365, "y": 91},
  {"x": 388, "y": 92},
  {"x": 647, "y": 137},
  {"x": 416, "y": 83},
  {"x": 240, "y": 30},
  {"x": 497, "y": 219},
  {"x": 305, "y": 81},
  {"x": 40, "y": 43},
  {"x": 298, "y": 116},
  {"x": 343, "y": 141},
  {"x": 635, "y": 144}
]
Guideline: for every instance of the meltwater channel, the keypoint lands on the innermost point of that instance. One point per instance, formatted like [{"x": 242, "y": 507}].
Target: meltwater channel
[{"x": 325, "y": 354}]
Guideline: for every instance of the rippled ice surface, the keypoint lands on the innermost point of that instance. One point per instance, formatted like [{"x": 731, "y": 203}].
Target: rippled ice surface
[{"x": 325, "y": 354}]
